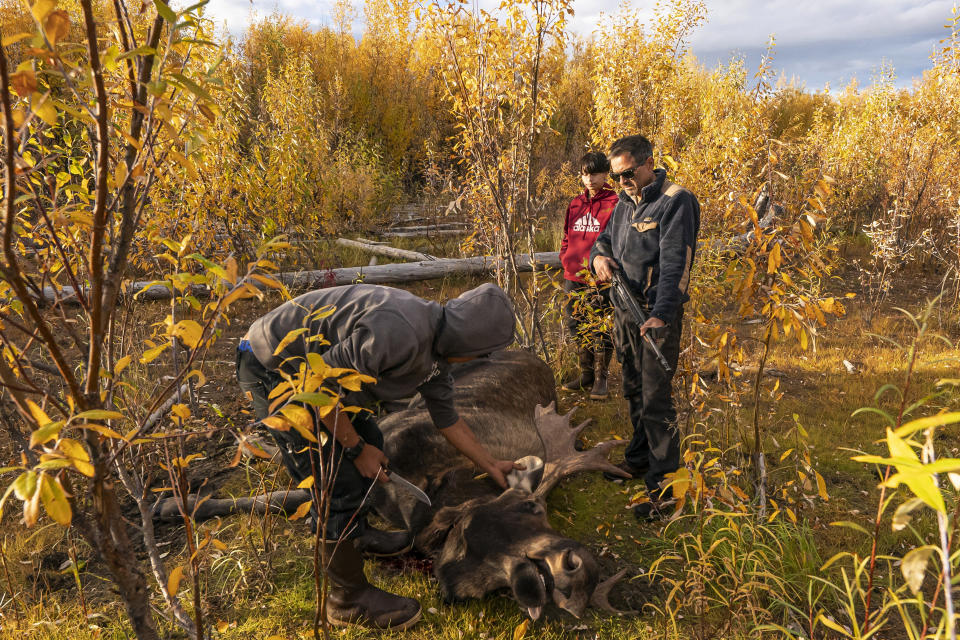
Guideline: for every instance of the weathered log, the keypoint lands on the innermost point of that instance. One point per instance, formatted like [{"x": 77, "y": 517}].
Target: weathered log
[
  {"x": 425, "y": 233},
  {"x": 285, "y": 502},
  {"x": 440, "y": 226},
  {"x": 384, "y": 250},
  {"x": 379, "y": 274}
]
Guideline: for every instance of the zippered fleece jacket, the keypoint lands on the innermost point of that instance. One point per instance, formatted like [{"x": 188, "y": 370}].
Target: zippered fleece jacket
[
  {"x": 398, "y": 338},
  {"x": 586, "y": 218},
  {"x": 654, "y": 242}
]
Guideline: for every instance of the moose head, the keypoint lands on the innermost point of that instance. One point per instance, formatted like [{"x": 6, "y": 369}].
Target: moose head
[{"x": 505, "y": 541}]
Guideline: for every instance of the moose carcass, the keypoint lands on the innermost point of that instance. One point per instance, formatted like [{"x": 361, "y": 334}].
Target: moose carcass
[{"x": 482, "y": 539}]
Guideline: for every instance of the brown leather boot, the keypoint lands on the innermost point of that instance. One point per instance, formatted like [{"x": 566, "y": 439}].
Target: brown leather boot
[
  {"x": 599, "y": 390},
  {"x": 585, "y": 378},
  {"x": 353, "y": 600}
]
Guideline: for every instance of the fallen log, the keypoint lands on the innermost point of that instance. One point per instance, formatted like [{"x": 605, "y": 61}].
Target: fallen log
[
  {"x": 384, "y": 250},
  {"x": 424, "y": 232},
  {"x": 379, "y": 274},
  {"x": 285, "y": 502},
  {"x": 442, "y": 226}
]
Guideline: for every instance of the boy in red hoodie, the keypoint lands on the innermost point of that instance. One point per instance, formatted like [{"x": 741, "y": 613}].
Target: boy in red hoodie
[{"x": 587, "y": 216}]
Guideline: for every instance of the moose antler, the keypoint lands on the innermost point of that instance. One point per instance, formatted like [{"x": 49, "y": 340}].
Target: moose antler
[
  {"x": 561, "y": 457},
  {"x": 601, "y": 595}
]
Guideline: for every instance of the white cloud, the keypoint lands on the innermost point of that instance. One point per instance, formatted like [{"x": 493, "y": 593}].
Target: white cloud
[{"x": 818, "y": 41}]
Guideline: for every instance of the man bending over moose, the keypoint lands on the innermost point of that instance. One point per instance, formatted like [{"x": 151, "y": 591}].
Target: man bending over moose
[{"x": 407, "y": 344}]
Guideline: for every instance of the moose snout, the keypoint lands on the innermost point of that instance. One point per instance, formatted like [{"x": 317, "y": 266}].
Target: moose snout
[
  {"x": 527, "y": 478},
  {"x": 575, "y": 575}
]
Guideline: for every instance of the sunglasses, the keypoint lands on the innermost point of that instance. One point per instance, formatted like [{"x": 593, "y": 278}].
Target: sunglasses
[{"x": 628, "y": 174}]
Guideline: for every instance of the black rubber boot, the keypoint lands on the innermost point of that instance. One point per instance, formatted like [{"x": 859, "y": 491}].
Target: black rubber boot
[
  {"x": 585, "y": 379},
  {"x": 599, "y": 390},
  {"x": 382, "y": 544},
  {"x": 353, "y": 600}
]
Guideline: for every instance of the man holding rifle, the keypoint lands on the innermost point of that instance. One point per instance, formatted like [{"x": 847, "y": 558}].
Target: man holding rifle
[{"x": 649, "y": 245}]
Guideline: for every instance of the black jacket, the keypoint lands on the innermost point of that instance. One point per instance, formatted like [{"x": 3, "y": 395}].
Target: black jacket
[{"x": 654, "y": 243}]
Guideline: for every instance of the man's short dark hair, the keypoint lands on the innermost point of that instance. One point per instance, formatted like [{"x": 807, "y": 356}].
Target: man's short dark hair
[
  {"x": 637, "y": 146},
  {"x": 594, "y": 162}
]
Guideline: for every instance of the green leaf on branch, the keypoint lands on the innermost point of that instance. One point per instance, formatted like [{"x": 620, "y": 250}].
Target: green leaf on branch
[
  {"x": 921, "y": 424},
  {"x": 313, "y": 399},
  {"x": 165, "y": 11},
  {"x": 46, "y": 433}
]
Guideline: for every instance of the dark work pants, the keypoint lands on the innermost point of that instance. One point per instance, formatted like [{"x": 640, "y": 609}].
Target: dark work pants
[
  {"x": 349, "y": 487},
  {"x": 574, "y": 322},
  {"x": 649, "y": 392}
]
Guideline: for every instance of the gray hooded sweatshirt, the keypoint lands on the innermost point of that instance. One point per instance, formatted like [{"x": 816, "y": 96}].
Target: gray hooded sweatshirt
[{"x": 396, "y": 337}]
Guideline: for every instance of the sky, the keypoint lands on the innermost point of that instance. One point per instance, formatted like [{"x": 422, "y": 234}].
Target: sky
[{"x": 819, "y": 42}]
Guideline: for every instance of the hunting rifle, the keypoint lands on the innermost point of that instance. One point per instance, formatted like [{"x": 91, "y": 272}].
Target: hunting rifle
[{"x": 621, "y": 290}]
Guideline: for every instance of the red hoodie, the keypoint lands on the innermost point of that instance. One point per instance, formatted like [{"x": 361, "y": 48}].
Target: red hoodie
[{"x": 586, "y": 218}]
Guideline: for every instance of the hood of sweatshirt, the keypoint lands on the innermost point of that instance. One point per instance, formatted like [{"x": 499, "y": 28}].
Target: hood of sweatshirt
[{"x": 476, "y": 323}]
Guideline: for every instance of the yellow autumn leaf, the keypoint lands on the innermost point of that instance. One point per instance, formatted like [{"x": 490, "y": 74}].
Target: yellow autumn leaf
[
  {"x": 277, "y": 422},
  {"x": 521, "y": 629},
  {"x": 297, "y": 415},
  {"x": 106, "y": 432},
  {"x": 287, "y": 339},
  {"x": 354, "y": 381},
  {"x": 121, "y": 364},
  {"x": 173, "y": 581},
  {"x": 774, "y": 259},
  {"x": 822, "y": 487},
  {"x": 301, "y": 511},
  {"x": 42, "y": 8},
  {"x": 120, "y": 173},
  {"x": 151, "y": 354},
  {"x": 39, "y": 415},
  {"x": 306, "y": 483},
  {"x": 31, "y": 506},
  {"x": 188, "y": 331},
  {"x": 231, "y": 270},
  {"x": 201, "y": 379},
  {"x": 43, "y": 107},
  {"x": 77, "y": 455},
  {"x": 181, "y": 411},
  {"x": 55, "y": 500}
]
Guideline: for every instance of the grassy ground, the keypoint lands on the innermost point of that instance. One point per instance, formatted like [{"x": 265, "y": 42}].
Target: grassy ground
[{"x": 260, "y": 583}]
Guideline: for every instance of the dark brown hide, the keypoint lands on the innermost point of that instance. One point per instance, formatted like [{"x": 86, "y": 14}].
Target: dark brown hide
[
  {"x": 480, "y": 538},
  {"x": 505, "y": 542}
]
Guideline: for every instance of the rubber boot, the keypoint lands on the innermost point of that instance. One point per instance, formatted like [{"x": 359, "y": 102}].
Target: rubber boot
[
  {"x": 585, "y": 377},
  {"x": 353, "y": 600},
  {"x": 382, "y": 544},
  {"x": 599, "y": 390}
]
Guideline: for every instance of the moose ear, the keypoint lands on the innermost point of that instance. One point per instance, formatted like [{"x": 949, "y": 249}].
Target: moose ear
[{"x": 432, "y": 538}]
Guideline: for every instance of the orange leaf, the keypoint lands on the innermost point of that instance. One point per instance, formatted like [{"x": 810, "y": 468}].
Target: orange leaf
[
  {"x": 24, "y": 82},
  {"x": 302, "y": 510},
  {"x": 57, "y": 25}
]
